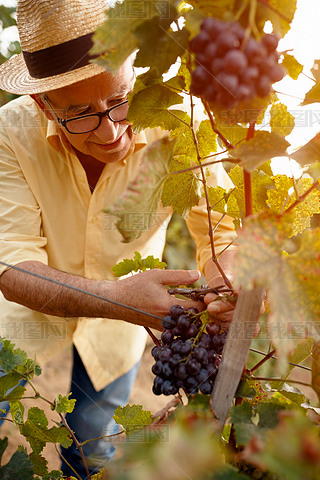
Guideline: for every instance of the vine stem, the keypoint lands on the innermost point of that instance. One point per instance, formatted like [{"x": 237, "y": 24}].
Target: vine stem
[
  {"x": 284, "y": 380},
  {"x": 247, "y": 176},
  {"x": 77, "y": 444},
  {"x": 258, "y": 365},
  {"x": 67, "y": 463},
  {"x": 161, "y": 414},
  {"x": 301, "y": 198},
  {"x": 213, "y": 125},
  {"x": 276, "y": 358},
  {"x": 204, "y": 182},
  {"x": 101, "y": 438}
]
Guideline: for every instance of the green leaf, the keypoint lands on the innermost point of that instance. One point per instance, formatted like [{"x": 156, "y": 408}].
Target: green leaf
[
  {"x": 144, "y": 193},
  {"x": 115, "y": 40},
  {"x": 279, "y": 13},
  {"x": 176, "y": 83},
  {"x": 19, "y": 467},
  {"x": 207, "y": 139},
  {"x": 233, "y": 133},
  {"x": 6, "y": 17},
  {"x": 3, "y": 446},
  {"x": 17, "y": 411},
  {"x": 39, "y": 464},
  {"x": 64, "y": 404},
  {"x": 262, "y": 147},
  {"x": 38, "y": 417},
  {"x": 301, "y": 352},
  {"x": 15, "y": 394},
  {"x": 309, "y": 153},
  {"x": 137, "y": 264},
  {"x": 166, "y": 45},
  {"x": 132, "y": 417},
  {"x": 281, "y": 121},
  {"x": 291, "y": 280},
  {"x": 241, "y": 413},
  {"x": 7, "y": 382},
  {"x": 149, "y": 108},
  {"x": 216, "y": 8},
  {"x": 245, "y": 390},
  {"x": 11, "y": 357},
  {"x": 217, "y": 198},
  {"x": 268, "y": 414},
  {"x": 279, "y": 200},
  {"x": 184, "y": 144},
  {"x": 294, "y": 68},
  {"x": 227, "y": 472},
  {"x": 181, "y": 191}
]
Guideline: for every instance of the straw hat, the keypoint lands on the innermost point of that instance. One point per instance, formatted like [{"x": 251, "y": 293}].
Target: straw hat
[{"x": 55, "y": 37}]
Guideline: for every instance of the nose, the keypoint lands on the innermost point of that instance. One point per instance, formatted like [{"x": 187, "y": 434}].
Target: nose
[{"x": 107, "y": 132}]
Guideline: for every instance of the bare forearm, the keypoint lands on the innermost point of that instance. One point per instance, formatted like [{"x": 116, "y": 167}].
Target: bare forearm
[
  {"x": 51, "y": 298},
  {"x": 212, "y": 273}
]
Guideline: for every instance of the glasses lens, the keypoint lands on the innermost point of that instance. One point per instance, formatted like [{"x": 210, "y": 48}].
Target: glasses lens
[
  {"x": 83, "y": 125},
  {"x": 119, "y": 113}
]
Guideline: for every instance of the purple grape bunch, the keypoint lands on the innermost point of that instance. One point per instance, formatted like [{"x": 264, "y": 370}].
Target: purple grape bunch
[
  {"x": 185, "y": 358},
  {"x": 231, "y": 68}
]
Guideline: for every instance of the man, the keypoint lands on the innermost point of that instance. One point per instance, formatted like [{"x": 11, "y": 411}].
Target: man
[{"x": 66, "y": 154}]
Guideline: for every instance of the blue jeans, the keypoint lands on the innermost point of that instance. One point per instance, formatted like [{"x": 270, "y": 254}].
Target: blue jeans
[{"x": 92, "y": 417}]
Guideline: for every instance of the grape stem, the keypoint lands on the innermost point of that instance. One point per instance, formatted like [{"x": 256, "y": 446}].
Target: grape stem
[
  {"x": 161, "y": 414},
  {"x": 204, "y": 181},
  {"x": 247, "y": 177},
  {"x": 213, "y": 126},
  {"x": 301, "y": 198}
]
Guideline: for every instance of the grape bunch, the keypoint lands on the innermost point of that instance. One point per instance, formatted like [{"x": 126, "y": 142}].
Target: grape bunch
[
  {"x": 230, "y": 67},
  {"x": 188, "y": 357}
]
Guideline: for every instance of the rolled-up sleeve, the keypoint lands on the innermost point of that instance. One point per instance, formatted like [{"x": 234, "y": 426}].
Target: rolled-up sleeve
[
  {"x": 20, "y": 215},
  {"x": 198, "y": 225}
]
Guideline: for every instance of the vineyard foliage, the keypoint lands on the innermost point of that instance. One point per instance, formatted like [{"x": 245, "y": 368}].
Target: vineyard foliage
[{"x": 273, "y": 429}]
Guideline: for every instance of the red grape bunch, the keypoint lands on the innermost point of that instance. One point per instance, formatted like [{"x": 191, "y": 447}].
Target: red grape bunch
[
  {"x": 230, "y": 67},
  {"x": 187, "y": 357}
]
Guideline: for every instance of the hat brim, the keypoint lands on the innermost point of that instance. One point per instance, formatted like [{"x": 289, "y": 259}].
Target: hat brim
[{"x": 15, "y": 77}]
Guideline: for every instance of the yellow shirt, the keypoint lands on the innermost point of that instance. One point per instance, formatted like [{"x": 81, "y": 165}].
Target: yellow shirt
[{"x": 48, "y": 214}]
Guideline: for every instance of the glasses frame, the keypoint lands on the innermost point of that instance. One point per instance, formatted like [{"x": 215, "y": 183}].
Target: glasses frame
[{"x": 106, "y": 112}]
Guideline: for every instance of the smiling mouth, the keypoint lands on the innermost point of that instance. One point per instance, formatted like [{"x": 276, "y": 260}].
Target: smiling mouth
[{"x": 110, "y": 146}]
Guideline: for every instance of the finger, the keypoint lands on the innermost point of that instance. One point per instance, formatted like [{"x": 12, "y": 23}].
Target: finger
[
  {"x": 189, "y": 304},
  {"x": 220, "y": 306},
  {"x": 178, "y": 277}
]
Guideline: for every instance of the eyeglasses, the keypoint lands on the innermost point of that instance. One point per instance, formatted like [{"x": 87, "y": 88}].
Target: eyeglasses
[{"x": 88, "y": 123}]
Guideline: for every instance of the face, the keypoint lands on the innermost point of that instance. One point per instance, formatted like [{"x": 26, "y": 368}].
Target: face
[{"x": 111, "y": 141}]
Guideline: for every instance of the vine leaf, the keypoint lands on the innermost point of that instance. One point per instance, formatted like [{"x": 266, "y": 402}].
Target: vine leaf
[
  {"x": 166, "y": 45},
  {"x": 137, "y": 264},
  {"x": 181, "y": 191},
  {"x": 7, "y": 382},
  {"x": 309, "y": 153},
  {"x": 39, "y": 464},
  {"x": 262, "y": 147},
  {"x": 64, "y": 404},
  {"x": 207, "y": 139},
  {"x": 281, "y": 121},
  {"x": 38, "y": 435},
  {"x": 11, "y": 357},
  {"x": 301, "y": 352},
  {"x": 279, "y": 13},
  {"x": 290, "y": 279},
  {"x": 17, "y": 411},
  {"x": 279, "y": 197},
  {"x": 137, "y": 207},
  {"x": 184, "y": 144},
  {"x": 19, "y": 467},
  {"x": 294, "y": 68},
  {"x": 149, "y": 108},
  {"x": 3, "y": 446},
  {"x": 215, "y": 8},
  {"x": 132, "y": 417}
]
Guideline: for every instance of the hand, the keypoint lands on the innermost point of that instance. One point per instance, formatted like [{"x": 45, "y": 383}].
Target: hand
[
  {"x": 147, "y": 292},
  {"x": 220, "y": 311}
]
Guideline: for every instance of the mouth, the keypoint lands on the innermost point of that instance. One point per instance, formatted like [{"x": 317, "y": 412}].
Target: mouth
[{"x": 111, "y": 146}]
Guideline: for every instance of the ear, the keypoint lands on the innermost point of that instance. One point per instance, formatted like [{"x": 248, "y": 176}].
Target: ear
[{"x": 37, "y": 98}]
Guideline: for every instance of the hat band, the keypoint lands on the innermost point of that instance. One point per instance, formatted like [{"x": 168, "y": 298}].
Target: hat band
[{"x": 60, "y": 58}]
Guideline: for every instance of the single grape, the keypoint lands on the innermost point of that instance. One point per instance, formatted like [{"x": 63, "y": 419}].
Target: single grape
[
  {"x": 167, "y": 370},
  {"x": 176, "y": 346},
  {"x": 212, "y": 371},
  {"x": 212, "y": 26},
  {"x": 199, "y": 42},
  {"x": 201, "y": 355},
  {"x": 184, "y": 322},
  {"x": 206, "y": 388},
  {"x": 263, "y": 86},
  {"x": 270, "y": 41},
  {"x": 192, "y": 382},
  {"x": 192, "y": 331},
  {"x": 250, "y": 74},
  {"x": 181, "y": 371},
  {"x": 213, "y": 328},
  {"x": 165, "y": 354},
  {"x": 226, "y": 41},
  {"x": 155, "y": 352},
  {"x": 157, "y": 367},
  {"x": 210, "y": 52},
  {"x": 212, "y": 355},
  {"x": 235, "y": 61},
  {"x": 217, "y": 65},
  {"x": 193, "y": 366},
  {"x": 176, "y": 311},
  {"x": 176, "y": 331},
  {"x": 156, "y": 390},
  {"x": 175, "y": 360},
  {"x": 192, "y": 311},
  {"x": 167, "y": 388},
  {"x": 168, "y": 322},
  {"x": 205, "y": 341},
  {"x": 276, "y": 73},
  {"x": 186, "y": 348},
  {"x": 203, "y": 375},
  {"x": 167, "y": 337}
]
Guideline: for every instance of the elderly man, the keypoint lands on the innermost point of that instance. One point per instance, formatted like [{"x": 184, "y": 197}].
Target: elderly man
[{"x": 66, "y": 154}]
